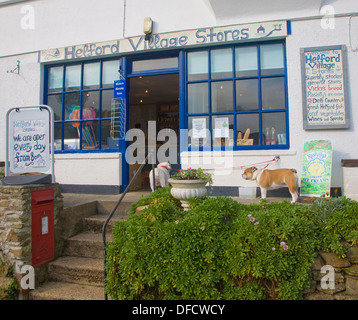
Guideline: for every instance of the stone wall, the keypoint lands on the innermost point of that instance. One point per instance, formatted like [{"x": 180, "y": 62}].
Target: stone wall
[
  {"x": 16, "y": 224},
  {"x": 345, "y": 276}
]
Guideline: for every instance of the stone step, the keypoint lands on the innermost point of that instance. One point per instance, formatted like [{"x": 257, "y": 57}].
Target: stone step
[
  {"x": 95, "y": 223},
  {"x": 67, "y": 291},
  {"x": 106, "y": 207},
  {"x": 86, "y": 244},
  {"x": 80, "y": 270}
]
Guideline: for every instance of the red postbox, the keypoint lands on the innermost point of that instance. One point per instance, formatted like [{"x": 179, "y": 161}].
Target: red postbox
[{"x": 42, "y": 226}]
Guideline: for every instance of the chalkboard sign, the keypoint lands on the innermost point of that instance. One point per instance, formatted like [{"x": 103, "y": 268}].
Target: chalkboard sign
[
  {"x": 324, "y": 88},
  {"x": 29, "y": 139}
]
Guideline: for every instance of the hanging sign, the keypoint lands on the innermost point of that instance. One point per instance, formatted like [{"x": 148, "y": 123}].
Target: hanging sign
[
  {"x": 119, "y": 89},
  {"x": 29, "y": 139},
  {"x": 316, "y": 168},
  {"x": 324, "y": 88}
]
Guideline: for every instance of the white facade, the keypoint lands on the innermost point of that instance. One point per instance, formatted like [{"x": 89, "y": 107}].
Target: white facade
[{"x": 28, "y": 27}]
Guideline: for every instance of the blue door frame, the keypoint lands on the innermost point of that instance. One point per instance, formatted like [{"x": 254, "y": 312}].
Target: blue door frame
[{"x": 127, "y": 74}]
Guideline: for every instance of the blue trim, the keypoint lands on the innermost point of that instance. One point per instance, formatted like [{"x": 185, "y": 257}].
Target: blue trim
[
  {"x": 234, "y": 113},
  {"x": 289, "y": 29},
  {"x": 123, "y": 143},
  {"x": 182, "y": 94},
  {"x": 63, "y": 92}
]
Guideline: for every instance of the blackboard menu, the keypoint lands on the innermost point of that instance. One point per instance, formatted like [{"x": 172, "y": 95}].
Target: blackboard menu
[{"x": 324, "y": 88}]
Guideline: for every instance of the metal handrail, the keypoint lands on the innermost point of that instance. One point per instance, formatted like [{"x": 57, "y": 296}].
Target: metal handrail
[{"x": 114, "y": 210}]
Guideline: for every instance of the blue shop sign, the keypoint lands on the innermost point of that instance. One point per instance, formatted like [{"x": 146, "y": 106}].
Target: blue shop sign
[{"x": 119, "y": 89}]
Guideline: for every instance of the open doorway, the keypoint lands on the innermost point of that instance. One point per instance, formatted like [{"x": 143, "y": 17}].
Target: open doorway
[{"x": 153, "y": 98}]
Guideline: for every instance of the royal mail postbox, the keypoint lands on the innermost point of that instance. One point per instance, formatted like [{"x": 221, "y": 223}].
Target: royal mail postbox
[{"x": 42, "y": 203}]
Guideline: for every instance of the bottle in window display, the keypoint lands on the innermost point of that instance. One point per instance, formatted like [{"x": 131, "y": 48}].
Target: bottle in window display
[
  {"x": 267, "y": 139},
  {"x": 273, "y": 136}
]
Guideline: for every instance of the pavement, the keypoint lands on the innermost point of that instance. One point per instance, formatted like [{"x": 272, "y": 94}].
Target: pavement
[{"x": 73, "y": 199}]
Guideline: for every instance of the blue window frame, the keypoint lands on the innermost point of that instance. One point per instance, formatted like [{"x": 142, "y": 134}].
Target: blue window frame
[
  {"x": 236, "y": 96},
  {"x": 81, "y": 96}
]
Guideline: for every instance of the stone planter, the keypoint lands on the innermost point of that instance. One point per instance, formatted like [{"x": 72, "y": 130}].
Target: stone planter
[{"x": 187, "y": 189}]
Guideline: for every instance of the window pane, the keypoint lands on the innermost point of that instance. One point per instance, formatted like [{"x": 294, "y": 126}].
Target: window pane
[
  {"x": 222, "y": 96},
  {"x": 57, "y": 130},
  {"x": 90, "y": 135},
  {"x": 247, "y": 95},
  {"x": 246, "y": 61},
  {"x": 73, "y": 78},
  {"x": 198, "y": 98},
  {"x": 110, "y": 73},
  {"x": 274, "y": 127},
  {"x": 153, "y": 64},
  {"x": 222, "y": 130},
  {"x": 90, "y": 103},
  {"x": 221, "y": 63},
  {"x": 55, "y": 102},
  {"x": 245, "y": 122},
  {"x": 55, "y": 79},
  {"x": 71, "y": 135},
  {"x": 107, "y": 140},
  {"x": 107, "y": 96},
  {"x": 271, "y": 57},
  {"x": 273, "y": 93},
  {"x": 198, "y": 65},
  {"x": 91, "y": 74},
  {"x": 199, "y": 131},
  {"x": 71, "y": 101}
]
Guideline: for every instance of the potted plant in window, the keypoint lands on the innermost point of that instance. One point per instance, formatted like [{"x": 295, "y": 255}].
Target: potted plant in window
[{"x": 189, "y": 183}]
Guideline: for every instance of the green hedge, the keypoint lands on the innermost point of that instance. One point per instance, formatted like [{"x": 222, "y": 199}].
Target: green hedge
[{"x": 222, "y": 249}]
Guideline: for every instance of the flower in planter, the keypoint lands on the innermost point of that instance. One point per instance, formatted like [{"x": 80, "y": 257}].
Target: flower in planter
[{"x": 193, "y": 174}]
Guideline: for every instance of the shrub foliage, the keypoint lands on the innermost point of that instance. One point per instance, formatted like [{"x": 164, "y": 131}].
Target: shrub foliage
[{"x": 222, "y": 249}]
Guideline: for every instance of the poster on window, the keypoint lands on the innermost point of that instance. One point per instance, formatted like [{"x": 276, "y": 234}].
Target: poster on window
[
  {"x": 324, "y": 88},
  {"x": 221, "y": 129},
  {"x": 29, "y": 140},
  {"x": 199, "y": 128},
  {"x": 316, "y": 168}
]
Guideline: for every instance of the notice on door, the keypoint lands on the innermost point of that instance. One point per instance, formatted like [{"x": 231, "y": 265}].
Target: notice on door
[{"x": 324, "y": 88}]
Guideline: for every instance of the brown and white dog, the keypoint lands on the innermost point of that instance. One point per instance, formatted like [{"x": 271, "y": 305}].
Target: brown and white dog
[
  {"x": 273, "y": 179},
  {"x": 162, "y": 175}
]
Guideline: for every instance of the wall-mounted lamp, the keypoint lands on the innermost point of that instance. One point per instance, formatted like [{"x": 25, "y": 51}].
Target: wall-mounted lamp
[
  {"x": 147, "y": 27},
  {"x": 16, "y": 70}
]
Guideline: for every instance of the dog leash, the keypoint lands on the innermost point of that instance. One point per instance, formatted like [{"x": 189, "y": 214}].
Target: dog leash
[{"x": 238, "y": 167}]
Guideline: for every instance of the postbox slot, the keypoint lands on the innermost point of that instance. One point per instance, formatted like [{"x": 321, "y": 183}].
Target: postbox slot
[
  {"x": 42, "y": 196},
  {"x": 43, "y": 201}
]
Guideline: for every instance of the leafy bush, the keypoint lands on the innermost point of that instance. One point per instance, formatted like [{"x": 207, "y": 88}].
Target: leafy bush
[
  {"x": 10, "y": 291},
  {"x": 222, "y": 249}
]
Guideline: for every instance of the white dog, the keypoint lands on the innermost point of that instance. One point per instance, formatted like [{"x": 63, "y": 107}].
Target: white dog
[{"x": 162, "y": 175}]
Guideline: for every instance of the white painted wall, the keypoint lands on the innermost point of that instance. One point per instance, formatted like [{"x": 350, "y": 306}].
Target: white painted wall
[
  {"x": 60, "y": 23},
  {"x": 89, "y": 169}
]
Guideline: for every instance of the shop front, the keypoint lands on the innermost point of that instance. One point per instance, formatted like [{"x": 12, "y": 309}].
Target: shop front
[{"x": 188, "y": 93}]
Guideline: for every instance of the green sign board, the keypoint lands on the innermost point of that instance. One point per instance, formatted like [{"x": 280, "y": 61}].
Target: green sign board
[{"x": 316, "y": 168}]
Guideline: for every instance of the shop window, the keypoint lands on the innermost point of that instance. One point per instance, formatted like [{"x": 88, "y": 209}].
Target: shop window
[
  {"x": 81, "y": 97},
  {"x": 238, "y": 94}
]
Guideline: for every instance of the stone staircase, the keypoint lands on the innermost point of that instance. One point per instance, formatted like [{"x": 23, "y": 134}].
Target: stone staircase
[{"x": 79, "y": 273}]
